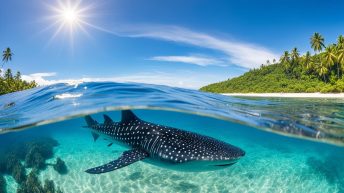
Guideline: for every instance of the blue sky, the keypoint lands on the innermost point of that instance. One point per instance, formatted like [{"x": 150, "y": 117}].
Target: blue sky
[{"x": 173, "y": 42}]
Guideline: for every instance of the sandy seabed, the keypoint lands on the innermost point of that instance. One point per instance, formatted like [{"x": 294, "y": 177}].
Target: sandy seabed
[{"x": 263, "y": 169}]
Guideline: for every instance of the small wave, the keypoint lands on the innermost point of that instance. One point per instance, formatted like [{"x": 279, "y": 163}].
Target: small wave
[
  {"x": 316, "y": 119},
  {"x": 67, "y": 95}
]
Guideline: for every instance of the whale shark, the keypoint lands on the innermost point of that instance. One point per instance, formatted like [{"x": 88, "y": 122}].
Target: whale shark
[{"x": 160, "y": 145}]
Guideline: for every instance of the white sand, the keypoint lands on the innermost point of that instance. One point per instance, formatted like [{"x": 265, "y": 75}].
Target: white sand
[{"x": 289, "y": 95}]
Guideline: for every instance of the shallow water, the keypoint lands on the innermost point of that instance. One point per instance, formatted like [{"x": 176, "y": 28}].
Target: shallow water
[{"x": 273, "y": 162}]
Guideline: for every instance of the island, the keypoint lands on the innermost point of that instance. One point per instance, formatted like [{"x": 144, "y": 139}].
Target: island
[
  {"x": 294, "y": 73},
  {"x": 8, "y": 82}
]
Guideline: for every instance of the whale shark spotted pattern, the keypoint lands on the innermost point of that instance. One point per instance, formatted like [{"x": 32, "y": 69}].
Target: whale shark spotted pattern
[{"x": 161, "y": 145}]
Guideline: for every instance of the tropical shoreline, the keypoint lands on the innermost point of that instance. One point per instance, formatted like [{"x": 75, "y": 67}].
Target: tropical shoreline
[
  {"x": 288, "y": 95},
  {"x": 321, "y": 71}
]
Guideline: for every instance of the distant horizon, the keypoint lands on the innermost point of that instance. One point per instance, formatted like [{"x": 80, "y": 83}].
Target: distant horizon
[{"x": 183, "y": 44}]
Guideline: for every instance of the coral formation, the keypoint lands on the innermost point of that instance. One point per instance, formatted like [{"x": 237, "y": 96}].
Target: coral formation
[
  {"x": 18, "y": 173},
  {"x": 60, "y": 166},
  {"x": 34, "y": 153},
  {"x": 10, "y": 161},
  {"x": 2, "y": 164},
  {"x": 38, "y": 151},
  {"x": 32, "y": 184},
  {"x": 12, "y": 165},
  {"x": 34, "y": 159},
  {"x": 2, "y": 184},
  {"x": 49, "y": 186}
]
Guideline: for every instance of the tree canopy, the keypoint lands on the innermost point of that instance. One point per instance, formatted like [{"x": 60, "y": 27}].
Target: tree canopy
[
  {"x": 7, "y": 55},
  {"x": 321, "y": 72},
  {"x": 10, "y": 83}
]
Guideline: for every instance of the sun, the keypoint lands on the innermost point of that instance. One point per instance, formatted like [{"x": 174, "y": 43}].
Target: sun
[
  {"x": 70, "y": 12},
  {"x": 69, "y": 17},
  {"x": 73, "y": 18}
]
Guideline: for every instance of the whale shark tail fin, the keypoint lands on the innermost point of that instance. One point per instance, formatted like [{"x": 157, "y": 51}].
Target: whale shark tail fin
[
  {"x": 90, "y": 121},
  {"x": 128, "y": 116}
]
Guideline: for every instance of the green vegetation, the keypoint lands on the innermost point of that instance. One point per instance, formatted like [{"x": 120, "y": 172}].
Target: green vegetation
[
  {"x": 321, "y": 72},
  {"x": 10, "y": 83}
]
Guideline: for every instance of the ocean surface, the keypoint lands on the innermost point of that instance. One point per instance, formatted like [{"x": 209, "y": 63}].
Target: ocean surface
[{"x": 291, "y": 145}]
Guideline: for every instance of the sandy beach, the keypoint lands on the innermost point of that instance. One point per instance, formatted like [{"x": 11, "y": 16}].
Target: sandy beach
[{"x": 289, "y": 95}]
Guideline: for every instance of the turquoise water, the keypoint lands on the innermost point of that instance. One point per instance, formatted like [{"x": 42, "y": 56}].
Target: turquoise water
[{"x": 291, "y": 145}]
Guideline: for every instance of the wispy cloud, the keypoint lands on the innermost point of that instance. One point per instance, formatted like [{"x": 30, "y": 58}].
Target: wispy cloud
[
  {"x": 197, "y": 60},
  {"x": 185, "y": 79},
  {"x": 239, "y": 53},
  {"x": 40, "y": 78}
]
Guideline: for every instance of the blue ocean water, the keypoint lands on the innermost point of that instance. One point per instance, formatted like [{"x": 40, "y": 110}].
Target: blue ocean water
[{"x": 291, "y": 145}]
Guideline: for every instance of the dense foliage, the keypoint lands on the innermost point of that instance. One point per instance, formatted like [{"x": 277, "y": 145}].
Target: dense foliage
[
  {"x": 321, "y": 72},
  {"x": 10, "y": 83}
]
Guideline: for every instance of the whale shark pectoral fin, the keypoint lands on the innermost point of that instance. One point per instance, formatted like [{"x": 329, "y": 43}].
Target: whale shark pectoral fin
[
  {"x": 110, "y": 144},
  {"x": 127, "y": 158},
  {"x": 107, "y": 120},
  {"x": 95, "y": 136}
]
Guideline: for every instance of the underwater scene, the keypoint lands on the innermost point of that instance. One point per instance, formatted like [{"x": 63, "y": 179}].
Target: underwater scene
[{"x": 121, "y": 137}]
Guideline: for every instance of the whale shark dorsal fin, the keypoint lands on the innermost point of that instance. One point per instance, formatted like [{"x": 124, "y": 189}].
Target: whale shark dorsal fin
[
  {"x": 128, "y": 115},
  {"x": 107, "y": 120},
  {"x": 127, "y": 158}
]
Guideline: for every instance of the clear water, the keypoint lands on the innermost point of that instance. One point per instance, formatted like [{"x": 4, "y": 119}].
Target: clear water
[{"x": 292, "y": 145}]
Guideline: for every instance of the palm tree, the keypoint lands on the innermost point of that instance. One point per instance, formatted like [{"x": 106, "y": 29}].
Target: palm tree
[
  {"x": 295, "y": 55},
  {"x": 285, "y": 57},
  {"x": 340, "y": 57},
  {"x": 17, "y": 76},
  {"x": 319, "y": 67},
  {"x": 313, "y": 64},
  {"x": 8, "y": 75},
  {"x": 330, "y": 57},
  {"x": 274, "y": 61},
  {"x": 7, "y": 55},
  {"x": 340, "y": 42},
  {"x": 317, "y": 42},
  {"x": 268, "y": 62},
  {"x": 308, "y": 60},
  {"x": 322, "y": 70},
  {"x": 285, "y": 60}
]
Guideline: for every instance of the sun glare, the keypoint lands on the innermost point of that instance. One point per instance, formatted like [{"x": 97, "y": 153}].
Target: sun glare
[
  {"x": 71, "y": 13},
  {"x": 69, "y": 17}
]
